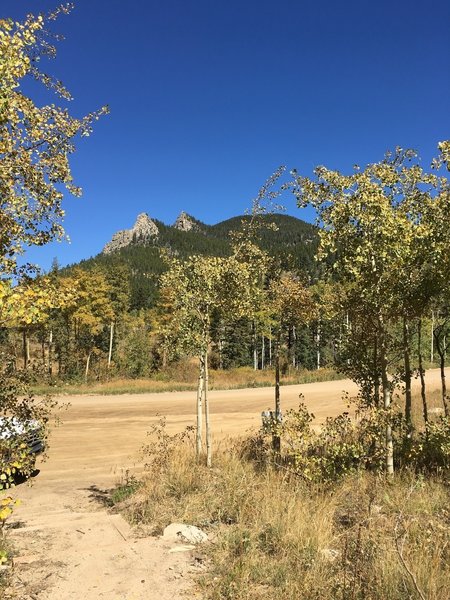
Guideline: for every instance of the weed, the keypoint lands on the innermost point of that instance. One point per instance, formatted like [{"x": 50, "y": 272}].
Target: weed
[
  {"x": 279, "y": 536},
  {"x": 178, "y": 380}
]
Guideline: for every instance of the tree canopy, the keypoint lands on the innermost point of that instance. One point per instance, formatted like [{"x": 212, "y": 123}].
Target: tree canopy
[{"x": 35, "y": 141}]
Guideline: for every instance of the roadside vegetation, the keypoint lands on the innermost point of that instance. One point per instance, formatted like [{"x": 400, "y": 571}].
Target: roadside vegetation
[
  {"x": 358, "y": 509},
  {"x": 184, "y": 376},
  {"x": 319, "y": 521}
]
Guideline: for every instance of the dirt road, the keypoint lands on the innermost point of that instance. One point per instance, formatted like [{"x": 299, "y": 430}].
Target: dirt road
[
  {"x": 69, "y": 546},
  {"x": 101, "y": 435}
]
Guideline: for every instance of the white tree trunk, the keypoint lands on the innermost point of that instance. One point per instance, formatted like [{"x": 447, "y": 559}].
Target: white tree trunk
[
  {"x": 318, "y": 344},
  {"x": 207, "y": 421},
  {"x": 50, "y": 353},
  {"x": 88, "y": 361},
  {"x": 387, "y": 403},
  {"x": 432, "y": 337},
  {"x": 199, "y": 432},
  {"x": 294, "y": 344},
  {"x": 111, "y": 337},
  {"x": 270, "y": 347}
]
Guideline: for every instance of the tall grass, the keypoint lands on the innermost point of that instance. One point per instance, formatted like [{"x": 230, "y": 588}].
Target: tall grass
[
  {"x": 278, "y": 537},
  {"x": 184, "y": 378}
]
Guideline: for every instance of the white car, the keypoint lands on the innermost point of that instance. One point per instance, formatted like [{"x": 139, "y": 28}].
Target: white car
[{"x": 28, "y": 431}]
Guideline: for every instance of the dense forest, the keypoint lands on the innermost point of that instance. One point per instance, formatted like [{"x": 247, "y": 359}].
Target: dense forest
[
  {"x": 292, "y": 243},
  {"x": 113, "y": 323}
]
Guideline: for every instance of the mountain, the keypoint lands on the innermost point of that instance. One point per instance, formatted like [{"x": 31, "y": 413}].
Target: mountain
[
  {"x": 292, "y": 242},
  {"x": 186, "y": 222},
  {"x": 144, "y": 229}
]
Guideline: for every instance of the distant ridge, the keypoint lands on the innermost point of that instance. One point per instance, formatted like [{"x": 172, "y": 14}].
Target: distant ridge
[{"x": 293, "y": 245}]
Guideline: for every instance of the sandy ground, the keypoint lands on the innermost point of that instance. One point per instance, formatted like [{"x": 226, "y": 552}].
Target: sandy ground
[{"x": 69, "y": 546}]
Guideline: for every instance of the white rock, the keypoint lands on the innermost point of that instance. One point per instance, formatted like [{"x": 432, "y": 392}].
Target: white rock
[
  {"x": 184, "y": 533},
  {"x": 329, "y": 554}
]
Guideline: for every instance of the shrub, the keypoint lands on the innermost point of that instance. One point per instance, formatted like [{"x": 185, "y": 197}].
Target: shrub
[
  {"x": 347, "y": 444},
  {"x": 19, "y": 408},
  {"x": 277, "y": 535}
]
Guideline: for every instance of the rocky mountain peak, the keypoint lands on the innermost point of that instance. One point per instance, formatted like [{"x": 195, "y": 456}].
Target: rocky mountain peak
[
  {"x": 185, "y": 222},
  {"x": 143, "y": 229}
]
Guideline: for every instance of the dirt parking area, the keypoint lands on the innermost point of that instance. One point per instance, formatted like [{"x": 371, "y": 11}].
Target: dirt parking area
[{"x": 69, "y": 546}]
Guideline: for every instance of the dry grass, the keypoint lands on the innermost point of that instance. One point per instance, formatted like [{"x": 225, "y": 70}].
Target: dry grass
[
  {"x": 275, "y": 537},
  {"x": 434, "y": 403},
  {"x": 184, "y": 378}
]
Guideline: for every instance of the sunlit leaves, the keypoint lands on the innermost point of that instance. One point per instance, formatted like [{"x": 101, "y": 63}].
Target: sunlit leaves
[{"x": 35, "y": 143}]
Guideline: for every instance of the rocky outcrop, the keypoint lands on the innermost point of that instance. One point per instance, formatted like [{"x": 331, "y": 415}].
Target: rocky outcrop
[
  {"x": 143, "y": 230},
  {"x": 185, "y": 222}
]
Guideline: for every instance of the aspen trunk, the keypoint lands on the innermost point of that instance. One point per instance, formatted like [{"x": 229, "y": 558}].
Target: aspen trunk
[
  {"x": 50, "y": 353},
  {"x": 422, "y": 373},
  {"x": 443, "y": 384},
  {"x": 276, "y": 440},
  {"x": 88, "y": 361},
  {"x": 255, "y": 349},
  {"x": 263, "y": 352},
  {"x": 199, "y": 432},
  {"x": 347, "y": 326},
  {"x": 376, "y": 372},
  {"x": 207, "y": 421},
  {"x": 220, "y": 345},
  {"x": 111, "y": 337},
  {"x": 289, "y": 348},
  {"x": 25, "y": 349},
  {"x": 432, "y": 338},
  {"x": 441, "y": 351},
  {"x": 407, "y": 366},
  {"x": 294, "y": 347},
  {"x": 386, "y": 385},
  {"x": 318, "y": 344},
  {"x": 270, "y": 347}
]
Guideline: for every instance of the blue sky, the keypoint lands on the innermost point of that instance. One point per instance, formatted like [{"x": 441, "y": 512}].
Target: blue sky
[{"x": 208, "y": 98}]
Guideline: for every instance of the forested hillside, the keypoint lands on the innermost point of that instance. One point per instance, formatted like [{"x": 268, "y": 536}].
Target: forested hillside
[{"x": 293, "y": 243}]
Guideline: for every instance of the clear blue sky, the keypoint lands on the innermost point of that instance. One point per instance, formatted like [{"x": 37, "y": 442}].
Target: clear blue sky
[{"x": 207, "y": 98}]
